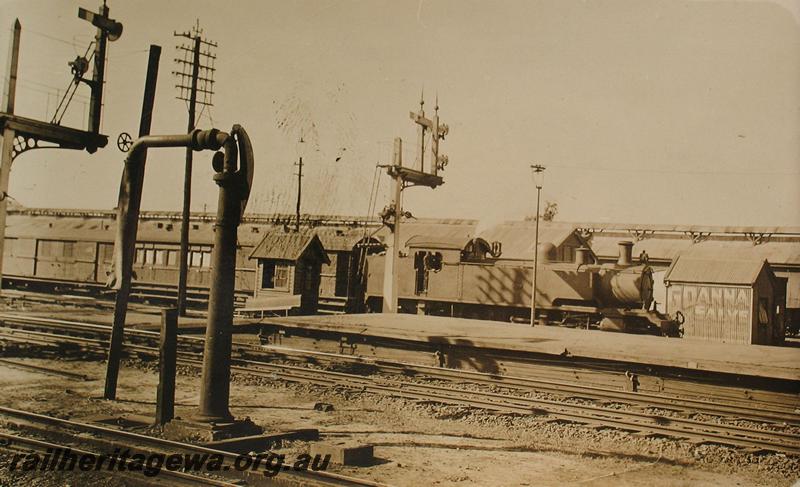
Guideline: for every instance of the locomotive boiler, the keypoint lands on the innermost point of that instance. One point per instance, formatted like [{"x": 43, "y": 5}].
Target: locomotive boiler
[{"x": 474, "y": 280}]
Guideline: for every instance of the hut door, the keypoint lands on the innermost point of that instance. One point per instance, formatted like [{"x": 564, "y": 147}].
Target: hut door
[{"x": 342, "y": 273}]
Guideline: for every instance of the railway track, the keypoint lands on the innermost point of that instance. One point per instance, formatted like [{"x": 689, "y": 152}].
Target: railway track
[
  {"x": 153, "y": 293},
  {"x": 33, "y": 432},
  {"x": 690, "y": 419}
]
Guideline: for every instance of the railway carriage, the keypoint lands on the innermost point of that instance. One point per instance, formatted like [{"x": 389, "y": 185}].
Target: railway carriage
[{"x": 60, "y": 253}]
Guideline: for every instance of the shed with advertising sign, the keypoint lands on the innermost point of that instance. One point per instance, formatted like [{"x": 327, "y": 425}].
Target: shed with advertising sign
[{"x": 726, "y": 299}]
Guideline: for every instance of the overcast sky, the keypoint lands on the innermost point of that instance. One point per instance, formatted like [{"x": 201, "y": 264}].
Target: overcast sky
[{"x": 642, "y": 111}]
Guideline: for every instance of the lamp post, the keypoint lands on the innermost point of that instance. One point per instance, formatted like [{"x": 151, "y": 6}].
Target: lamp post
[
  {"x": 301, "y": 149},
  {"x": 538, "y": 177}
]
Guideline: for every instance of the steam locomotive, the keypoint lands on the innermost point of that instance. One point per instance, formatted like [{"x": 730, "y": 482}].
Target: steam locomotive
[{"x": 475, "y": 281}]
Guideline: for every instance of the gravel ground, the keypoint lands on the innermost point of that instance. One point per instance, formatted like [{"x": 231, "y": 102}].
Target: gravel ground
[{"x": 446, "y": 445}]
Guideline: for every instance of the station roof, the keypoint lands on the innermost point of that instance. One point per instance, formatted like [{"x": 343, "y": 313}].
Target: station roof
[
  {"x": 288, "y": 246},
  {"x": 714, "y": 270},
  {"x": 715, "y": 229},
  {"x": 670, "y": 247},
  {"x": 667, "y": 248}
]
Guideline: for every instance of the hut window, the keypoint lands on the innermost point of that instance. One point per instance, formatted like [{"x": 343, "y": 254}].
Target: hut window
[{"x": 275, "y": 276}]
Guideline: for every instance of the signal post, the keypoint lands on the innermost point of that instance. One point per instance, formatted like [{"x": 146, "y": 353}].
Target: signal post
[{"x": 405, "y": 177}]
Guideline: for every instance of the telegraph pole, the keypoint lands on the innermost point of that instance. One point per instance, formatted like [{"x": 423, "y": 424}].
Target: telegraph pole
[
  {"x": 299, "y": 186},
  {"x": 193, "y": 60}
]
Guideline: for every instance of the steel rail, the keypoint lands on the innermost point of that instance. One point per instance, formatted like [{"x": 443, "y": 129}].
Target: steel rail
[
  {"x": 741, "y": 410},
  {"x": 521, "y": 404},
  {"x": 43, "y": 446},
  {"x": 624, "y": 420},
  {"x": 309, "y": 477}
]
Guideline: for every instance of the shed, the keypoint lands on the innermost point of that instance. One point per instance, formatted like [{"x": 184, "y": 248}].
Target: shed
[
  {"x": 289, "y": 264},
  {"x": 726, "y": 299}
]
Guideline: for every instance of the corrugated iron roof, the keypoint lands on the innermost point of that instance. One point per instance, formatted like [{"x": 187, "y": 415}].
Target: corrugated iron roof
[
  {"x": 714, "y": 271},
  {"x": 286, "y": 246},
  {"x": 777, "y": 253},
  {"x": 518, "y": 238}
]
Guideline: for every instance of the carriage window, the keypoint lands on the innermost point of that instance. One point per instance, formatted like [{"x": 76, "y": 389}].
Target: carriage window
[
  {"x": 161, "y": 257},
  {"x": 69, "y": 249},
  {"x": 172, "y": 258},
  {"x": 207, "y": 259},
  {"x": 8, "y": 248},
  {"x": 107, "y": 252},
  {"x": 46, "y": 248},
  {"x": 139, "y": 259},
  {"x": 196, "y": 258},
  {"x": 150, "y": 256}
]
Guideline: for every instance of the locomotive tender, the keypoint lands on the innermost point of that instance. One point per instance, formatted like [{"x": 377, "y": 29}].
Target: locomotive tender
[{"x": 473, "y": 280}]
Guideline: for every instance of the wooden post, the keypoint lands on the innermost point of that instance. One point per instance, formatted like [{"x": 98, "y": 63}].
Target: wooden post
[
  {"x": 390, "y": 277},
  {"x": 167, "y": 366},
  {"x": 7, "y": 141},
  {"x": 121, "y": 299}
]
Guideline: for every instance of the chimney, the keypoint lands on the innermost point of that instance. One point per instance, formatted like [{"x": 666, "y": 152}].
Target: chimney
[
  {"x": 583, "y": 256},
  {"x": 625, "y": 252}
]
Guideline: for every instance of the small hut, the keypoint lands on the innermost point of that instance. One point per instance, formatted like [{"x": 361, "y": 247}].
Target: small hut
[{"x": 289, "y": 265}]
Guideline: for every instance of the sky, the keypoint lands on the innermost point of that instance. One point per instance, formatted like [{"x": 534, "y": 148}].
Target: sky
[{"x": 646, "y": 111}]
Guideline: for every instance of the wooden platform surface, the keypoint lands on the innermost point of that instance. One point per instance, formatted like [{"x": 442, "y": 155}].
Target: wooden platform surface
[{"x": 755, "y": 360}]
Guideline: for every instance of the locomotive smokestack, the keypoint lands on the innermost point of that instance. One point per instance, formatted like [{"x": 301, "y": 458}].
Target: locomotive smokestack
[
  {"x": 625, "y": 253},
  {"x": 583, "y": 256}
]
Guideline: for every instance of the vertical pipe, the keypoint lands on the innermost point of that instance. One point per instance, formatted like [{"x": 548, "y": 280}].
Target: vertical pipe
[
  {"x": 215, "y": 382},
  {"x": 129, "y": 205},
  {"x": 535, "y": 259},
  {"x": 183, "y": 269},
  {"x": 167, "y": 365}
]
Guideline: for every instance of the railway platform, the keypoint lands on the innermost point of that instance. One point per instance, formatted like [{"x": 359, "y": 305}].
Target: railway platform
[{"x": 487, "y": 338}]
